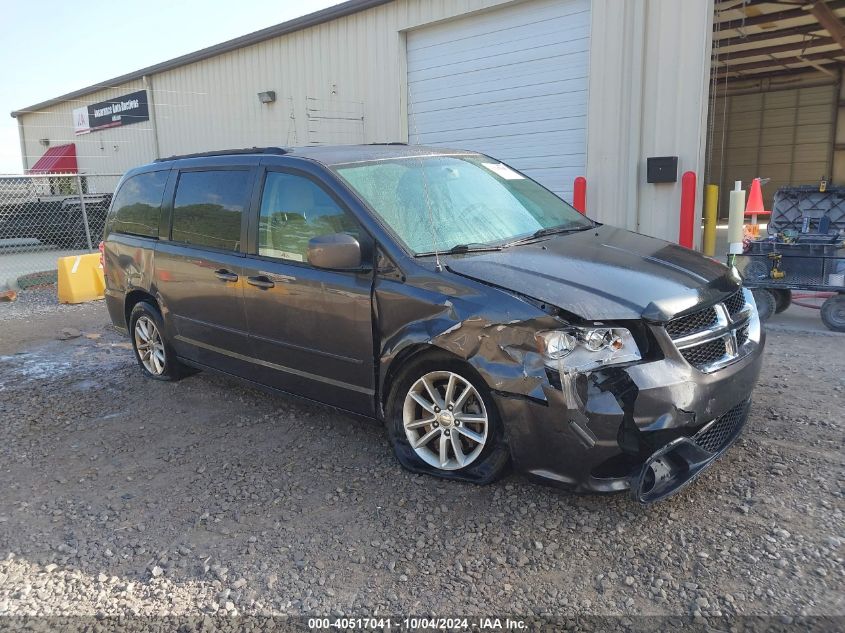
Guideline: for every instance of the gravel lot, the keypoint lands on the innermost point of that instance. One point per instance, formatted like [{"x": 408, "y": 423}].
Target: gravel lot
[{"x": 122, "y": 495}]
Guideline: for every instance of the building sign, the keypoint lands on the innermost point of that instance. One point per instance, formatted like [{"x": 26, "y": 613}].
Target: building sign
[
  {"x": 80, "y": 120},
  {"x": 125, "y": 110}
]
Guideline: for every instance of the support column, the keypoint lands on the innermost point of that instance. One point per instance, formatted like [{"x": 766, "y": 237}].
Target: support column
[{"x": 650, "y": 62}]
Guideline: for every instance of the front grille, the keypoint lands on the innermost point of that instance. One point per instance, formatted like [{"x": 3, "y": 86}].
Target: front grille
[
  {"x": 692, "y": 323},
  {"x": 716, "y": 436},
  {"x": 713, "y": 336},
  {"x": 735, "y": 303},
  {"x": 702, "y": 355}
]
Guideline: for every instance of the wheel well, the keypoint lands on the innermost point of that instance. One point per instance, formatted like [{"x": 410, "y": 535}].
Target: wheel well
[
  {"x": 413, "y": 354},
  {"x": 134, "y": 298}
]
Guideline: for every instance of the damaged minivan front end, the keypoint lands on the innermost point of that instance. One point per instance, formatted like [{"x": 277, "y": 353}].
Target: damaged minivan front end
[
  {"x": 601, "y": 405},
  {"x": 650, "y": 424}
]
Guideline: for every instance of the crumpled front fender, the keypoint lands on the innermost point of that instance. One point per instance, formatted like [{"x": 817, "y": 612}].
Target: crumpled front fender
[{"x": 495, "y": 337}]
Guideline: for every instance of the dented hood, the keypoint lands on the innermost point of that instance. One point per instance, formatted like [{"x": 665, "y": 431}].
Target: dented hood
[{"x": 604, "y": 273}]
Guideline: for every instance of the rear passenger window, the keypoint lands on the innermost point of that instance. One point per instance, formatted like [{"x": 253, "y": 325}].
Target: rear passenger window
[
  {"x": 208, "y": 208},
  {"x": 137, "y": 206}
]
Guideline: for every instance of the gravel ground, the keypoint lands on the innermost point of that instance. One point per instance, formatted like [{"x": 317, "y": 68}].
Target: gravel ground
[{"x": 123, "y": 495}]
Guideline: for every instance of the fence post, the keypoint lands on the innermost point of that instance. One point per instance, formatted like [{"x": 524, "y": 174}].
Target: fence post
[{"x": 84, "y": 212}]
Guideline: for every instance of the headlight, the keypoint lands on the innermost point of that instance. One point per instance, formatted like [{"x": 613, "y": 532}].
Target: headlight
[
  {"x": 582, "y": 349},
  {"x": 754, "y": 320}
]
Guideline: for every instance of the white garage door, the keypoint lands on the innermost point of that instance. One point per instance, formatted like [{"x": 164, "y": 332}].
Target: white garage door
[{"x": 509, "y": 82}]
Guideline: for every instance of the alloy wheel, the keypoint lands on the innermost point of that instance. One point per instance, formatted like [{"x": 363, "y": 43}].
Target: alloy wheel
[
  {"x": 445, "y": 420},
  {"x": 149, "y": 345}
]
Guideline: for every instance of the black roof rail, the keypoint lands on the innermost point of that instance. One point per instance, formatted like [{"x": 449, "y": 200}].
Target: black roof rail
[
  {"x": 389, "y": 143},
  {"x": 227, "y": 152}
]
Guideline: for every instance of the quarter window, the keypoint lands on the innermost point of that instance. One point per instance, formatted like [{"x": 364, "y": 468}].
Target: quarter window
[
  {"x": 137, "y": 206},
  {"x": 293, "y": 210},
  {"x": 208, "y": 208}
]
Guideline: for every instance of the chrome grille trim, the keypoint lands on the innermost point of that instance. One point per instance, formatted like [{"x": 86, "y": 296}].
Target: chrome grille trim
[
  {"x": 692, "y": 323},
  {"x": 725, "y": 328},
  {"x": 736, "y": 302}
]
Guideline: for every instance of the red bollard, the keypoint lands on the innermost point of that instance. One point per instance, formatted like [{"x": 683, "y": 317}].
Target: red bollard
[
  {"x": 687, "y": 234},
  {"x": 579, "y": 195}
]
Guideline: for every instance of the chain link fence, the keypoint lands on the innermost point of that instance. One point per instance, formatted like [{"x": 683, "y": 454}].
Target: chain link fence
[{"x": 47, "y": 216}]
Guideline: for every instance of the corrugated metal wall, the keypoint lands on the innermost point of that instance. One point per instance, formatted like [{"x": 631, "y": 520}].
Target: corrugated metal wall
[
  {"x": 785, "y": 135},
  {"x": 323, "y": 77}
]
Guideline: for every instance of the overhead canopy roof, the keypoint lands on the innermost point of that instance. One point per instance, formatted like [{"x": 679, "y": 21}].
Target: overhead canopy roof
[
  {"x": 60, "y": 159},
  {"x": 753, "y": 39}
]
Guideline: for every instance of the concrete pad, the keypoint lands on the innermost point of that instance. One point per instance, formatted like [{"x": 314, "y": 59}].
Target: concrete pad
[{"x": 16, "y": 264}]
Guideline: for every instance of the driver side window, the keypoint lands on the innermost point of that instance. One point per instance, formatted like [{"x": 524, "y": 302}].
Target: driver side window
[{"x": 295, "y": 209}]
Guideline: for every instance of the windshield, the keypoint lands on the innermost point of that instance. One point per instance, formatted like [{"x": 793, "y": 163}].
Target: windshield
[{"x": 440, "y": 202}]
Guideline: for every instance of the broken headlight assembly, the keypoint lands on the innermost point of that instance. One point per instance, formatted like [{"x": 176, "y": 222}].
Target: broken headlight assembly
[{"x": 579, "y": 349}]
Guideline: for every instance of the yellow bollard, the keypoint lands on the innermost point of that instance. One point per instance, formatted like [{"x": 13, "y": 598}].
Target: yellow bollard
[
  {"x": 711, "y": 205},
  {"x": 80, "y": 278}
]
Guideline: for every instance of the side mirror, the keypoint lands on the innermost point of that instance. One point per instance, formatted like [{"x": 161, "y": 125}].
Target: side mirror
[{"x": 337, "y": 251}]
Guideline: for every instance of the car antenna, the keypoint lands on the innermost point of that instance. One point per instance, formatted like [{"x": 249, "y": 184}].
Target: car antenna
[{"x": 438, "y": 267}]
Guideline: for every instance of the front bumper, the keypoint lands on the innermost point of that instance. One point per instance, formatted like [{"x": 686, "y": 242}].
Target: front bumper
[
  {"x": 636, "y": 429},
  {"x": 683, "y": 459}
]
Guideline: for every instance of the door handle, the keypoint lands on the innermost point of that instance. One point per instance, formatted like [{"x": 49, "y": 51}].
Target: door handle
[
  {"x": 260, "y": 282},
  {"x": 225, "y": 275}
]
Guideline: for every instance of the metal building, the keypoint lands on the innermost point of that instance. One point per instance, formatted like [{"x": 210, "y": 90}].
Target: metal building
[{"x": 557, "y": 88}]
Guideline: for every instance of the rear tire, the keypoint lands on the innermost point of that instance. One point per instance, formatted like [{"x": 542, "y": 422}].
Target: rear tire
[
  {"x": 833, "y": 313},
  {"x": 464, "y": 442},
  {"x": 766, "y": 303},
  {"x": 152, "y": 351}
]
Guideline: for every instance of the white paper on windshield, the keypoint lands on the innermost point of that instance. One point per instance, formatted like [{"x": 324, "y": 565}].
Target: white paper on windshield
[{"x": 503, "y": 171}]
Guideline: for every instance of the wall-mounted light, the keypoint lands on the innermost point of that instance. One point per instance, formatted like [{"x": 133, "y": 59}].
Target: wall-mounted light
[
  {"x": 267, "y": 97},
  {"x": 44, "y": 141}
]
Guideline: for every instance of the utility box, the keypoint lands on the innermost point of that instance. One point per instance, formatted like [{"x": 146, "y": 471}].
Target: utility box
[
  {"x": 805, "y": 246},
  {"x": 662, "y": 169}
]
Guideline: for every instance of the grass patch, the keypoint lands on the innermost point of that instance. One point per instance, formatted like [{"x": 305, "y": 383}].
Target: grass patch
[{"x": 34, "y": 280}]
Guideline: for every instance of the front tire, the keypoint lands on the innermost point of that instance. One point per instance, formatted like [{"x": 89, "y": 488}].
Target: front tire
[
  {"x": 442, "y": 421},
  {"x": 153, "y": 353}
]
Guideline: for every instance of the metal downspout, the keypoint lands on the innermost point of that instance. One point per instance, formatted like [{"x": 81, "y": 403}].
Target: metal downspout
[
  {"x": 22, "y": 139},
  {"x": 151, "y": 105}
]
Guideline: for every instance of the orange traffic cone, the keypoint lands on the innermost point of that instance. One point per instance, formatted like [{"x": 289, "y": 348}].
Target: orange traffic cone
[
  {"x": 754, "y": 207},
  {"x": 755, "y": 198}
]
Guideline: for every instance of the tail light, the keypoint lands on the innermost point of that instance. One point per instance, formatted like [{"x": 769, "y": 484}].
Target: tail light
[{"x": 102, "y": 248}]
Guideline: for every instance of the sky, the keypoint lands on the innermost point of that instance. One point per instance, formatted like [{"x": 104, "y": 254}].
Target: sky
[{"x": 54, "y": 47}]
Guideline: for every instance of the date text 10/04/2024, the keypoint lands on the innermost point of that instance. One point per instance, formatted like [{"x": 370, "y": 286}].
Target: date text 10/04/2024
[{"x": 416, "y": 623}]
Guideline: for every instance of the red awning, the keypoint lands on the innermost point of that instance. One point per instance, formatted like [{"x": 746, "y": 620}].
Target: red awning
[{"x": 57, "y": 160}]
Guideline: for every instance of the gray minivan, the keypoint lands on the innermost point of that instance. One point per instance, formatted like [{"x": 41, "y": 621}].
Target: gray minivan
[{"x": 478, "y": 315}]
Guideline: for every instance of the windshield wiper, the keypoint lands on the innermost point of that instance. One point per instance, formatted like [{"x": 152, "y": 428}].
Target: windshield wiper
[
  {"x": 474, "y": 247},
  {"x": 550, "y": 230}
]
